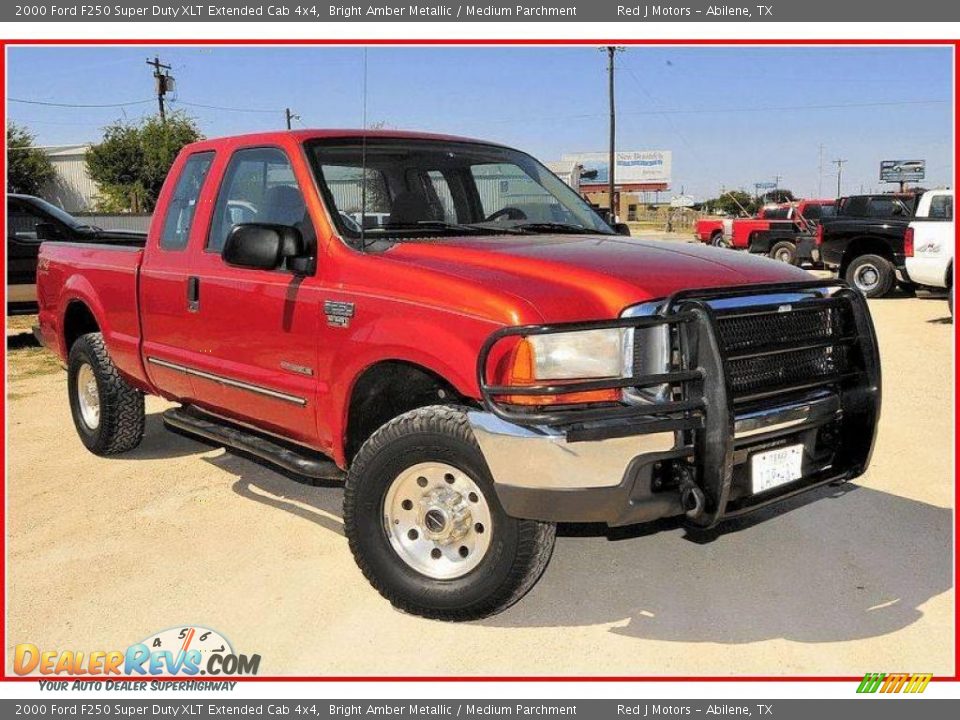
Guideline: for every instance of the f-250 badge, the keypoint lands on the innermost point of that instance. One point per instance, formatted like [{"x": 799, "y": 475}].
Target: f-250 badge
[{"x": 338, "y": 313}]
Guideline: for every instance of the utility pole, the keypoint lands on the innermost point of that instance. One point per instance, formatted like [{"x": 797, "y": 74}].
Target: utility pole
[
  {"x": 820, "y": 174},
  {"x": 611, "y": 51},
  {"x": 776, "y": 186},
  {"x": 290, "y": 118},
  {"x": 164, "y": 83},
  {"x": 839, "y": 163}
]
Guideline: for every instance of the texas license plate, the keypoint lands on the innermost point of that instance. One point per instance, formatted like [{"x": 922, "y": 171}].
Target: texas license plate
[{"x": 775, "y": 467}]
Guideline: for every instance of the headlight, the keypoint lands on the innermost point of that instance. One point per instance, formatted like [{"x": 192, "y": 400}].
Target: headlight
[{"x": 581, "y": 355}]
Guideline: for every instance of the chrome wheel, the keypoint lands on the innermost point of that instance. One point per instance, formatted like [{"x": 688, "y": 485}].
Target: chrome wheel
[
  {"x": 88, "y": 395},
  {"x": 437, "y": 520},
  {"x": 867, "y": 278},
  {"x": 784, "y": 256}
]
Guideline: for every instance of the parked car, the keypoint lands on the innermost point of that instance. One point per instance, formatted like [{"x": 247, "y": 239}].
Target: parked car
[
  {"x": 864, "y": 243},
  {"x": 777, "y": 231},
  {"x": 791, "y": 232},
  {"x": 30, "y": 221},
  {"x": 492, "y": 360},
  {"x": 929, "y": 243}
]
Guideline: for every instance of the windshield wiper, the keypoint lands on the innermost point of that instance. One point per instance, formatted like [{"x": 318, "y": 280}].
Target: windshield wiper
[
  {"x": 562, "y": 227},
  {"x": 466, "y": 227}
]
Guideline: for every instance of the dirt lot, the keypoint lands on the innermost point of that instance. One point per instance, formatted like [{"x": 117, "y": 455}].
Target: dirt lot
[{"x": 102, "y": 553}]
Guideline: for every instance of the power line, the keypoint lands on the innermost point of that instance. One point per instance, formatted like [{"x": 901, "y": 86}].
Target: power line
[
  {"x": 79, "y": 105},
  {"x": 227, "y": 109},
  {"x": 715, "y": 110}
]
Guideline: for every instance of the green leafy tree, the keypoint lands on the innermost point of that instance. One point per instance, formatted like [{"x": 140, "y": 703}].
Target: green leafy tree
[
  {"x": 28, "y": 168},
  {"x": 131, "y": 162},
  {"x": 780, "y": 195},
  {"x": 734, "y": 202}
]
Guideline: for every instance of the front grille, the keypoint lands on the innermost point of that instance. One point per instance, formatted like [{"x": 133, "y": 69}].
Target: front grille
[{"x": 779, "y": 349}]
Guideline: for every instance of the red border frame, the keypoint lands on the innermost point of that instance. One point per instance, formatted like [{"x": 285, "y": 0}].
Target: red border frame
[{"x": 955, "y": 44}]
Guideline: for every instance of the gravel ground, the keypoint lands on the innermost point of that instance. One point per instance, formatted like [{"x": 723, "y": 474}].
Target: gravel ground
[{"x": 102, "y": 553}]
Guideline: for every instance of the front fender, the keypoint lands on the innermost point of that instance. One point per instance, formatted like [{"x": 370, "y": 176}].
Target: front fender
[{"x": 446, "y": 346}]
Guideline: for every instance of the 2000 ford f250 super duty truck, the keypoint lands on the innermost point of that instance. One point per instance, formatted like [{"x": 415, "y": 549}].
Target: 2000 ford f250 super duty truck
[{"x": 489, "y": 360}]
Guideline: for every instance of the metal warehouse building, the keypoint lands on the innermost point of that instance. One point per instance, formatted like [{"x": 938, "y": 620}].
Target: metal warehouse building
[{"x": 71, "y": 189}]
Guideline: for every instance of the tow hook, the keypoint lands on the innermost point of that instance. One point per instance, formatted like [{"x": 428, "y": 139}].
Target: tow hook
[{"x": 692, "y": 499}]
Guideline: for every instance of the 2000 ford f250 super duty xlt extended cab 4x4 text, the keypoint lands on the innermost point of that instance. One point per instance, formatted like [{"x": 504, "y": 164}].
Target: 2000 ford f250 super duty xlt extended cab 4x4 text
[{"x": 487, "y": 361}]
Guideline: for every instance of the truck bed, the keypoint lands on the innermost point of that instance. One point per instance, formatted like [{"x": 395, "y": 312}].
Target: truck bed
[{"x": 104, "y": 277}]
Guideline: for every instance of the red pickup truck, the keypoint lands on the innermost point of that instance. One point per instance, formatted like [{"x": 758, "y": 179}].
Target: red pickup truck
[
  {"x": 445, "y": 326},
  {"x": 778, "y": 231}
]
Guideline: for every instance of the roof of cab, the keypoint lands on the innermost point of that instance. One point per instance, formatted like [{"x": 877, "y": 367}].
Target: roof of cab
[{"x": 272, "y": 137}]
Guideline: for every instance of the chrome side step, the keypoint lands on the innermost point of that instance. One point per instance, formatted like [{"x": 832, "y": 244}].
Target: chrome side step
[{"x": 286, "y": 456}]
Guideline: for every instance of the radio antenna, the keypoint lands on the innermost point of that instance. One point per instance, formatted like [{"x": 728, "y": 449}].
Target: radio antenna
[{"x": 363, "y": 160}]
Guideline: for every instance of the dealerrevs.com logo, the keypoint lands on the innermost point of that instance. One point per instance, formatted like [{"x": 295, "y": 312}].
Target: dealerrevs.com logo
[
  {"x": 894, "y": 682},
  {"x": 183, "y": 651}
]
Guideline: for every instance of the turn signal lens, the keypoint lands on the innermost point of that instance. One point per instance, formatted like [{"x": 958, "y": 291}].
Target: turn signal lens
[{"x": 559, "y": 358}]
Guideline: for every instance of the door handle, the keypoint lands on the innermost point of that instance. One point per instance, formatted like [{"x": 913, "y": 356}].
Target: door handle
[{"x": 193, "y": 293}]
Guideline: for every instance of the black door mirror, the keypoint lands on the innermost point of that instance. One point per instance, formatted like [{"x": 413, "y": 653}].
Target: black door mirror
[
  {"x": 264, "y": 246},
  {"x": 621, "y": 229},
  {"x": 48, "y": 231}
]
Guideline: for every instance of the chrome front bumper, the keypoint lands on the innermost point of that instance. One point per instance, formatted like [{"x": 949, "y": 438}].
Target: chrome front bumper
[{"x": 538, "y": 474}]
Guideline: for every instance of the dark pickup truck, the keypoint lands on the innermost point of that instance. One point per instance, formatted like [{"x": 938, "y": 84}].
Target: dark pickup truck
[
  {"x": 32, "y": 220},
  {"x": 865, "y": 241}
]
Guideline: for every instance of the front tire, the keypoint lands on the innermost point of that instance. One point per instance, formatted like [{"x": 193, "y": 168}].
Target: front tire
[
  {"x": 425, "y": 525},
  {"x": 872, "y": 275},
  {"x": 107, "y": 412},
  {"x": 784, "y": 251}
]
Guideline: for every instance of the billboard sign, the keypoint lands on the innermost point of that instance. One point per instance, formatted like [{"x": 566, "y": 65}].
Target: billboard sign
[
  {"x": 634, "y": 167},
  {"x": 902, "y": 170}
]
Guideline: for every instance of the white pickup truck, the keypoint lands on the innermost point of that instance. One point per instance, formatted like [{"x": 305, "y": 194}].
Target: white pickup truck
[{"x": 929, "y": 242}]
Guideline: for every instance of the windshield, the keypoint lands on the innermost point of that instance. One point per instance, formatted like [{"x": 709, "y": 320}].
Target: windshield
[
  {"x": 62, "y": 216},
  {"x": 406, "y": 189}
]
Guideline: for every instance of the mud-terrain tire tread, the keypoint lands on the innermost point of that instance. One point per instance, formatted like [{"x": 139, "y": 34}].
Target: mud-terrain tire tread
[
  {"x": 122, "y": 413},
  {"x": 535, "y": 539}
]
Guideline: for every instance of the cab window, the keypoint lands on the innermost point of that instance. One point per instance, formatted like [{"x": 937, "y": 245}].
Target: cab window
[
  {"x": 183, "y": 205},
  {"x": 259, "y": 187},
  {"x": 941, "y": 207}
]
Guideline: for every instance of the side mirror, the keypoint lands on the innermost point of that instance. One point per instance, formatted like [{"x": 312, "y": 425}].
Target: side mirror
[
  {"x": 264, "y": 246},
  {"x": 47, "y": 231},
  {"x": 621, "y": 229}
]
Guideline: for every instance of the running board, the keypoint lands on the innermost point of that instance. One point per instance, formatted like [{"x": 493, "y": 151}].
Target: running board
[{"x": 286, "y": 456}]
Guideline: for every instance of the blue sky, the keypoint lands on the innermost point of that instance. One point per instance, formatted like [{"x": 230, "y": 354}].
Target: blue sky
[{"x": 732, "y": 116}]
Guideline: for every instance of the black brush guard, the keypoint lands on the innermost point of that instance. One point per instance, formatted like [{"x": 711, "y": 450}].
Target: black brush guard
[{"x": 702, "y": 407}]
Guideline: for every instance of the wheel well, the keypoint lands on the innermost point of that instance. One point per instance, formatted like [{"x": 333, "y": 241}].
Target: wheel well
[
  {"x": 864, "y": 246},
  {"x": 77, "y": 321},
  {"x": 387, "y": 390}
]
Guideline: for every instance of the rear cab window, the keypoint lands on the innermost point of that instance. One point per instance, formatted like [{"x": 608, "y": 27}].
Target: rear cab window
[
  {"x": 183, "y": 204},
  {"x": 941, "y": 207}
]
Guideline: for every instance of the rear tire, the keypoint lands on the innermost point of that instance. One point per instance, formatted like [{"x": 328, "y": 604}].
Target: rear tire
[
  {"x": 872, "y": 275},
  {"x": 107, "y": 412},
  {"x": 784, "y": 251},
  {"x": 437, "y": 444}
]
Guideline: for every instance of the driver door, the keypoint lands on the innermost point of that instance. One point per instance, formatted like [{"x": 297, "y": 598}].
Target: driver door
[{"x": 256, "y": 330}]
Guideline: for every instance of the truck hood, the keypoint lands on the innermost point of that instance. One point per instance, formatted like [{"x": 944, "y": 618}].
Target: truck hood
[{"x": 579, "y": 277}]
